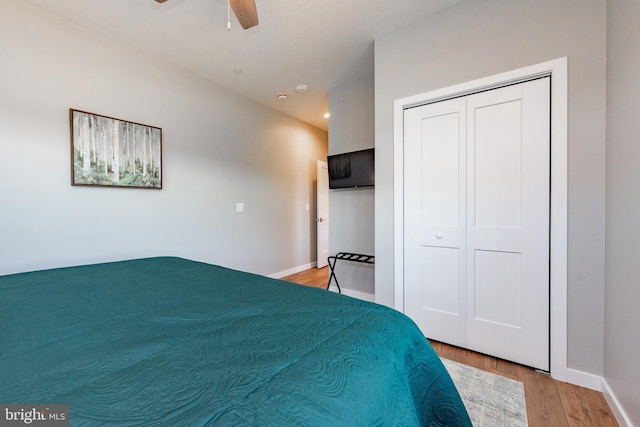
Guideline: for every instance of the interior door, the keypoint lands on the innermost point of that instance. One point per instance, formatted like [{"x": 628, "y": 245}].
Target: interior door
[
  {"x": 477, "y": 179},
  {"x": 508, "y": 181},
  {"x": 435, "y": 219},
  {"x": 322, "y": 214}
]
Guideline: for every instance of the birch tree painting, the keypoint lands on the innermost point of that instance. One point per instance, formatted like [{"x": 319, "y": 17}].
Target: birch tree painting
[{"x": 112, "y": 152}]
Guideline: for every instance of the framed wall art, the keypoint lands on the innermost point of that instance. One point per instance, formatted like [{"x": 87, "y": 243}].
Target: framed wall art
[{"x": 108, "y": 152}]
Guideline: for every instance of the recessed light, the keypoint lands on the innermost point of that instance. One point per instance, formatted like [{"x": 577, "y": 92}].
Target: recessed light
[
  {"x": 302, "y": 88},
  {"x": 282, "y": 97},
  {"x": 327, "y": 115}
]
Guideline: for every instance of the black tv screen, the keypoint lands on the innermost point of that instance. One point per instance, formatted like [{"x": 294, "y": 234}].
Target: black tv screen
[{"x": 350, "y": 170}]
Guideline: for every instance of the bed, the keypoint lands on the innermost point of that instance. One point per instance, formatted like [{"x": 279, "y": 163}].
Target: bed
[{"x": 168, "y": 341}]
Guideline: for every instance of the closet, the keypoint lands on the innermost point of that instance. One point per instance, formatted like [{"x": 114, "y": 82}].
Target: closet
[{"x": 476, "y": 220}]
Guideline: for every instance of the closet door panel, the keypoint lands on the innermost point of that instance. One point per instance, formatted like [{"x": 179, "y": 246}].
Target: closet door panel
[
  {"x": 497, "y": 164},
  {"x": 497, "y": 290},
  {"x": 508, "y": 222},
  {"x": 435, "y": 209},
  {"x": 441, "y": 280}
]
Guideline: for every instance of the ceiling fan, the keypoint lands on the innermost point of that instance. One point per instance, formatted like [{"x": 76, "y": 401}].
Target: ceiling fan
[{"x": 245, "y": 11}]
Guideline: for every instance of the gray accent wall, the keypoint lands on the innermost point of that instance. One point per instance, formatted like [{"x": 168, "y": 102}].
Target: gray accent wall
[
  {"x": 622, "y": 296},
  {"x": 479, "y": 39},
  {"x": 351, "y": 211},
  {"x": 219, "y": 149}
]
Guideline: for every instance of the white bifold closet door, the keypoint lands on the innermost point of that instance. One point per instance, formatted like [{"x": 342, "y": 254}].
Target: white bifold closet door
[{"x": 476, "y": 226}]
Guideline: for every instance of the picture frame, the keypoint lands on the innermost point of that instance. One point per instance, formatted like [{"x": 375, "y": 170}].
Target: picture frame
[{"x": 110, "y": 152}]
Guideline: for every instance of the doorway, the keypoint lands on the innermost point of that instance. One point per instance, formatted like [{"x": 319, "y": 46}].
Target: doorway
[{"x": 322, "y": 214}]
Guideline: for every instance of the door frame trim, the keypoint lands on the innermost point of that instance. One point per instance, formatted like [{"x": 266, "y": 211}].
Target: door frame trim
[{"x": 558, "y": 71}]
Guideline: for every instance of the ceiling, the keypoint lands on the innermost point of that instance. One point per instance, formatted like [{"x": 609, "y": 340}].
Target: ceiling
[{"x": 320, "y": 43}]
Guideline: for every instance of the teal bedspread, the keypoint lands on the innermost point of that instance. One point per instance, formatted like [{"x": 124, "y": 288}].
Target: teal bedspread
[{"x": 169, "y": 342}]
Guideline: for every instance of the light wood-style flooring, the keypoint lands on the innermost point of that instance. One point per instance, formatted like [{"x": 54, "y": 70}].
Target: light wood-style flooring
[{"x": 549, "y": 402}]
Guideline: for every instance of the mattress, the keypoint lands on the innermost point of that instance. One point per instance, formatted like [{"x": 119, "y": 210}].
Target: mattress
[{"x": 168, "y": 341}]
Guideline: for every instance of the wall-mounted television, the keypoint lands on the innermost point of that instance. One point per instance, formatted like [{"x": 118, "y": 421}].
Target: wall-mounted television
[{"x": 351, "y": 170}]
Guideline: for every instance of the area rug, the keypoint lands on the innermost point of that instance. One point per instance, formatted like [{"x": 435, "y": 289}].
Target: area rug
[{"x": 491, "y": 400}]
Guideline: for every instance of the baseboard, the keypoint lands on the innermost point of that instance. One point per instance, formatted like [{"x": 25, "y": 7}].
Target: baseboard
[
  {"x": 291, "y": 271},
  {"x": 597, "y": 383},
  {"x": 355, "y": 294},
  {"x": 349, "y": 292},
  {"x": 615, "y": 406},
  {"x": 584, "y": 379}
]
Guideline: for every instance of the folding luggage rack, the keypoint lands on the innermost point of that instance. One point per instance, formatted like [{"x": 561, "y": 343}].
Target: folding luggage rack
[{"x": 346, "y": 256}]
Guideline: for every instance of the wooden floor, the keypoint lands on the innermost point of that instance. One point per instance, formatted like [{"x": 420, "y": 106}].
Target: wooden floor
[{"x": 549, "y": 402}]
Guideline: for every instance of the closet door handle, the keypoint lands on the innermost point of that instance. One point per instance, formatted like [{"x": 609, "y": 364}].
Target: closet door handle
[{"x": 439, "y": 236}]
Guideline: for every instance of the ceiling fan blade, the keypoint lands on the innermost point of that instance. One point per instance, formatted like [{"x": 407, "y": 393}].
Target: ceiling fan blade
[{"x": 245, "y": 11}]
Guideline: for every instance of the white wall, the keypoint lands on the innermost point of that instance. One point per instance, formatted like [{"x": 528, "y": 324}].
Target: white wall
[
  {"x": 480, "y": 39},
  {"x": 351, "y": 211},
  {"x": 622, "y": 317},
  {"x": 218, "y": 149}
]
